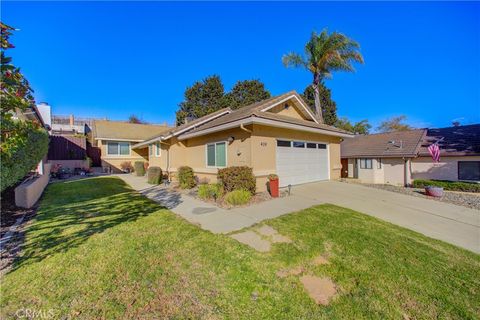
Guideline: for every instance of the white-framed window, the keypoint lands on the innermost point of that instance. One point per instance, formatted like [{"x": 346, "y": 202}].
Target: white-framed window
[
  {"x": 118, "y": 148},
  {"x": 150, "y": 149},
  {"x": 158, "y": 150},
  {"x": 365, "y": 163},
  {"x": 216, "y": 154},
  {"x": 379, "y": 163}
]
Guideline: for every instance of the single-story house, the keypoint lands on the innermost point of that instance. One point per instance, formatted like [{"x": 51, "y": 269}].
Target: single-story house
[
  {"x": 278, "y": 135},
  {"x": 116, "y": 138},
  {"x": 399, "y": 157}
]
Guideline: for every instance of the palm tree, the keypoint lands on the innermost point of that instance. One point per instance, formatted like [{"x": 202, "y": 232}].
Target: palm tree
[{"x": 324, "y": 54}]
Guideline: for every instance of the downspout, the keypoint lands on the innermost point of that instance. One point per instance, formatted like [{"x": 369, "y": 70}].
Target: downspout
[
  {"x": 168, "y": 158},
  {"x": 245, "y": 129}
]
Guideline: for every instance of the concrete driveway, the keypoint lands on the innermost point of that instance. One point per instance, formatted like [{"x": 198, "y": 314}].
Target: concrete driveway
[
  {"x": 451, "y": 223},
  {"x": 454, "y": 224}
]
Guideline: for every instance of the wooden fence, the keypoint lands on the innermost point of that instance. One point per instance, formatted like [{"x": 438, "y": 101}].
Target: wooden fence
[{"x": 67, "y": 148}]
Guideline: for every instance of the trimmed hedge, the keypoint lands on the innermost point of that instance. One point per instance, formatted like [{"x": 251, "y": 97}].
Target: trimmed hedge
[
  {"x": 448, "y": 185},
  {"x": 154, "y": 175},
  {"x": 186, "y": 178},
  {"x": 210, "y": 191},
  {"x": 236, "y": 178},
  {"x": 238, "y": 197},
  {"x": 139, "y": 167},
  {"x": 21, "y": 151}
]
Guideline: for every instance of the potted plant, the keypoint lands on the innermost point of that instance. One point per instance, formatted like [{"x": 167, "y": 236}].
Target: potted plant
[
  {"x": 273, "y": 185},
  {"x": 434, "y": 191}
]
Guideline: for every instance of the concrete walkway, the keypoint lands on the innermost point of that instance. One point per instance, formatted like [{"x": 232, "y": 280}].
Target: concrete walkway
[{"x": 454, "y": 224}]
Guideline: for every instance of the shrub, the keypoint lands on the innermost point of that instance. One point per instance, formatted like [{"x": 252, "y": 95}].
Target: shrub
[
  {"x": 210, "y": 191},
  {"x": 238, "y": 197},
  {"x": 154, "y": 175},
  {"x": 186, "y": 177},
  {"x": 448, "y": 185},
  {"x": 126, "y": 166},
  {"x": 21, "y": 151},
  {"x": 236, "y": 178},
  {"x": 272, "y": 176},
  {"x": 139, "y": 168}
]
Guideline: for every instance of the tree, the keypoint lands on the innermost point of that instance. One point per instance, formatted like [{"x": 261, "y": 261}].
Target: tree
[
  {"x": 394, "y": 124},
  {"x": 135, "y": 119},
  {"x": 329, "y": 107},
  {"x": 246, "y": 92},
  {"x": 361, "y": 127},
  {"x": 325, "y": 53},
  {"x": 203, "y": 98},
  {"x": 23, "y": 143}
]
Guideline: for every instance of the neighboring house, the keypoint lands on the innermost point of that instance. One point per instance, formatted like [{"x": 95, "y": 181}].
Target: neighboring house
[
  {"x": 115, "y": 139},
  {"x": 278, "y": 135},
  {"x": 399, "y": 157}
]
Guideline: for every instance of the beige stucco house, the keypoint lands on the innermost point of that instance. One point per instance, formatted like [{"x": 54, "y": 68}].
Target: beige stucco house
[
  {"x": 116, "y": 138},
  {"x": 398, "y": 158},
  {"x": 278, "y": 135}
]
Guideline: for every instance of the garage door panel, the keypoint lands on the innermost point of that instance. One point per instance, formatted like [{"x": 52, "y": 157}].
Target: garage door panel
[{"x": 301, "y": 165}]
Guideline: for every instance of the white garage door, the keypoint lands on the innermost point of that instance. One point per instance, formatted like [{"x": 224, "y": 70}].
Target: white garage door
[{"x": 301, "y": 162}]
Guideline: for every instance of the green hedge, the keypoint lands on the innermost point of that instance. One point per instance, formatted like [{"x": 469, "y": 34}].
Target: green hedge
[
  {"x": 186, "y": 177},
  {"x": 238, "y": 197},
  {"x": 236, "y": 178},
  {"x": 154, "y": 175},
  {"x": 21, "y": 151},
  {"x": 448, "y": 185},
  {"x": 210, "y": 191},
  {"x": 139, "y": 168}
]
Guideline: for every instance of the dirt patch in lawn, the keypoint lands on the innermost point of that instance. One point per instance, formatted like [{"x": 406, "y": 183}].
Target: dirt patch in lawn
[
  {"x": 321, "y": 290},
  {"x": 261, "y": 238},
  {"x": 290, "y": 272}
]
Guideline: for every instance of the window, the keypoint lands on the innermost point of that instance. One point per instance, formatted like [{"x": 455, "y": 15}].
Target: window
[
  {"x": 298, "y": 144},
  {"x": 158, "y": 149},
  {"x": 379, "y": 163},
  {"x": 322, "y": 146},
  {"x": 365, "y": 163},
  {"x": 311, "y": 145},
  {"x": 118, "y": 148},
  {"x": 217, "y": 154},
  {"x": 469, "y": 170},
  {"x": 283, "y": 143},
  {"x": 150, "y": 150}
]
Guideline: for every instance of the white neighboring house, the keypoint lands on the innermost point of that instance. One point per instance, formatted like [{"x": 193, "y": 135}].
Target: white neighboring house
[{"x": 398, "y": 158}]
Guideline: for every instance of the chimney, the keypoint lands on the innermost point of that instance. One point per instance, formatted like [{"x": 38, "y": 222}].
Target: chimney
[{"x": 71, "y": 120}]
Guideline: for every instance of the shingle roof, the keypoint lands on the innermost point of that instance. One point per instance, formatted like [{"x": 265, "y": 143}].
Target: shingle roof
[
  {"x": 390, "y": 144},
  {"x": 255, "y": 110},
  {"x": 453, "y": 141},
  {"x": 126, "y": 131}
]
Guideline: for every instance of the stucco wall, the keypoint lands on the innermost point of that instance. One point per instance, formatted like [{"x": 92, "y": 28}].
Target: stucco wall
[
  {"x": 446, "y": 169},
  {"x": 71, "y": 164},
  {"x": 374, "y": 175},
  {"x": 351, "y": 168},
  {"x": 394, "y": 170},
  {"x": 28, "y": 193},
  {"x": 292, "y": 111},
  {"x": 115, "y": 161}
]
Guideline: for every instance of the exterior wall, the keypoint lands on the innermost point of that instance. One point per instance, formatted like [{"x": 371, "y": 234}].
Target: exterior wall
[
  {"x": 291, "y": 111},
  {"x": 374, "y": 175},
  {"x": 352, "y": 170},
  {"x": 28, "y": 193},
  {"x": 114, "y": 161},
  {"x": 446, "y": 169},
  {"x": 71, "y": 164},
  {"x": 394, "y": 170}
]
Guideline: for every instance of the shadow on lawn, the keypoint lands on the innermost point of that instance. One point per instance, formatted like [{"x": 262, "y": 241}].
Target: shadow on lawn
[{"x": 63, "y": 223}]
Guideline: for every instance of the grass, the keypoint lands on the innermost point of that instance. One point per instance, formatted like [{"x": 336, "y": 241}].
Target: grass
[{"x": 97, "y": 249}]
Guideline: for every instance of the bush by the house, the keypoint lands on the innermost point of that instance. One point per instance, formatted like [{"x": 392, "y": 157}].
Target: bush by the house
[
  {"x": 448, "y": 185},
  {"x": 154, "y": 175},
  {"x": 236, "y": 178},
  {"x": 210, "y": 191},
  {"x": 238, "y": 197},
  {"x": 186, "y": 177},
  {"x": 139, "y": 167},
  {"x": 126, "y": 166},
  {"x": 21, "y": 151}
]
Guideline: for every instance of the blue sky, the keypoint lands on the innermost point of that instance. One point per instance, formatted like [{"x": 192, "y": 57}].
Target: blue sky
[{"x": 111, "y": 59}]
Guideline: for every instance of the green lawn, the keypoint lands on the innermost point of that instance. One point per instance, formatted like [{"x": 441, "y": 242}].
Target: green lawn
[{"x": 97, "y": 249}]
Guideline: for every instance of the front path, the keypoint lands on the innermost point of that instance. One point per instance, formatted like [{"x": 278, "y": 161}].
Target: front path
[{"x": 454, "y": 224}]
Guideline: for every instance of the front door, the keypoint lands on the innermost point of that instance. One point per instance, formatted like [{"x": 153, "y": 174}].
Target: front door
[{"x": 344, "y": 173}]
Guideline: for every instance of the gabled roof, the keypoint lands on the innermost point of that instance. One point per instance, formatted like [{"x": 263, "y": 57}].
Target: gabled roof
[
  {"x": 390, "y": 144},
  {"x": 453, "y": 141},
  {"x": 124, "y": 131}
]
